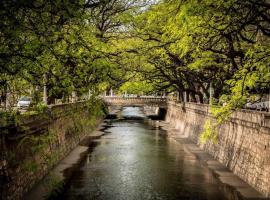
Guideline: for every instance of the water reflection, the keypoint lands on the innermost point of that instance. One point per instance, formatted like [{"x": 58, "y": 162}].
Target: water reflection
[{"x": 137, "y": 161}]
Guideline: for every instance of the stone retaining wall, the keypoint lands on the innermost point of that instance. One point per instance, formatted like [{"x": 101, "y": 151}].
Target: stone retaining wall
[
  {"x": 35, "y": 144},
  {"x": 243, "y": 144}
]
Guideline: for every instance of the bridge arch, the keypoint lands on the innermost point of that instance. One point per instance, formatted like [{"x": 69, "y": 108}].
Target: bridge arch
[{"x": 154, "y": 107}]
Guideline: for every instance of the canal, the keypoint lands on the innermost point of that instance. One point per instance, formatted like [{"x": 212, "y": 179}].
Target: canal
[{"x": 135, "y": 160}]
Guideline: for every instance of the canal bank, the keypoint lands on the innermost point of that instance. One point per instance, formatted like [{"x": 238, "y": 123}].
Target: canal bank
[
  {"x": 232, "y": 185},
  {"x": 243, "y": 144},
  {"x": 135, "y": 160},
  {"x": 34, "y": 144},
  {"x": 130, "y": 125},
  {"x": 54, "y": 182}
]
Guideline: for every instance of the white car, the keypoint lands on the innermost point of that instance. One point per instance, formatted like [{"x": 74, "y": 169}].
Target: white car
[
  {"x": 251, "y": 105},
  {"x": 24, "y": 102},
  {"x": 261, "y": 106}
]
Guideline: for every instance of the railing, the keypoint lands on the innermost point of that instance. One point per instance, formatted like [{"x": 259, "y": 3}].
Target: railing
[
  {"x": 134, "y": 100},
  {"x": 138, "y": 97},
  {"x": 257, "y": 117}
]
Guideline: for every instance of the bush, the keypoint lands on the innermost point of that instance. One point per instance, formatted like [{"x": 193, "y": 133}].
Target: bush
[{"x": 41, "y": 108}]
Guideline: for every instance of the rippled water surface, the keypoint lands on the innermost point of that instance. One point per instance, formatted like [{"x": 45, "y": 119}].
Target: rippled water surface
[{"x": 136, "y": 161}]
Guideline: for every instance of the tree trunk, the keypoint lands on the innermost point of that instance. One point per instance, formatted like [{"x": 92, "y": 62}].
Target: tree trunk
[
  {"x": 187, "y": 96},
  {"x": 181, "y": 98},
  {"x": 5, "y": 96},
  {"x": 200, "y": 97},
  {"x": 193, "y": 97}
]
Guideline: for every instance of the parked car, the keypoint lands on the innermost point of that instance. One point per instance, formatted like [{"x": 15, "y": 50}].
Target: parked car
[
  {"x": 24, "y": 102},
  {"x": 250, "y": 105},
  {"x": 262, "y": 106}
]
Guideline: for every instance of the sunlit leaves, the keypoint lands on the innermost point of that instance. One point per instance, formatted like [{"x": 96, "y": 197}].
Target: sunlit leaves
[{"x": 137, "y": 87}]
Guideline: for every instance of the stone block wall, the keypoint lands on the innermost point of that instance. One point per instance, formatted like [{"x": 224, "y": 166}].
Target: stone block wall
[
  {"x": 243, "y": 143},
  {"x": 38, "y": 142}
]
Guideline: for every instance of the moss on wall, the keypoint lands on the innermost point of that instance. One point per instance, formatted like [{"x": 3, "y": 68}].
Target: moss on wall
[{"x": 36, "y": 143}]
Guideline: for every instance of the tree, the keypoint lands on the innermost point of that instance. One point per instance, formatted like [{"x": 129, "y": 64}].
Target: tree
[{"x": 64, "y": 45}]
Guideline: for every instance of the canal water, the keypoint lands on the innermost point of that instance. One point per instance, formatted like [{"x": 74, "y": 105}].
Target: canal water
[{"x": 136, "y": 161}]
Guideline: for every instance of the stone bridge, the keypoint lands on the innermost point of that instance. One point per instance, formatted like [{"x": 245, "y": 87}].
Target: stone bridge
[{"x": 136, "y": 101}]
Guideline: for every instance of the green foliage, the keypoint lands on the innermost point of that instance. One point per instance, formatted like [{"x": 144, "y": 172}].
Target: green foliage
[
  {"x": 183, "y": 46},
  {"x": 29, "y": 166},
  {"x": 137, "y": 87},
  {"x": 188, "y": 45},
  {"x": 39, "y": 146},
  {"x": 9, "y": 118},
  {"x": 66, "y": 46},
  {"x": 210, "y": 132},
  {"x": 55, "y": 185},
  {"x": 96, "y": 108},
  {"x": 40, "y": 151},
  {"x": 41, "y": 108}
]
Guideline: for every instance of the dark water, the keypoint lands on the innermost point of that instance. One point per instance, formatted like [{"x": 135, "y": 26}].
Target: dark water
[{"x": 136, "y": 161}]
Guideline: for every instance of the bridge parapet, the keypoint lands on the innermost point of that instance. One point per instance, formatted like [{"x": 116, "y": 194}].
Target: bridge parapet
[{"x": 136, "y": 101}]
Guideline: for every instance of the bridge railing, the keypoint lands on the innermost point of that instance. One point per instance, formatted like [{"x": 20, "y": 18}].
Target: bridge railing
[
  {"x": 134, "y": 100},
  {"x": 143, "y": 98}
]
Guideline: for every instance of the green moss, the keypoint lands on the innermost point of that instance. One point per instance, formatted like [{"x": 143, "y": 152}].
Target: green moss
[
  {"x": 29, "y": 166},
  {"x": 44, "y": 147},
  {"x": 55, "y": 185}
]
